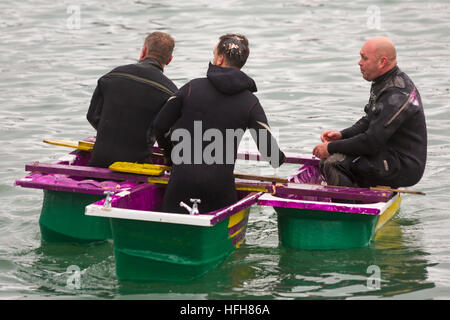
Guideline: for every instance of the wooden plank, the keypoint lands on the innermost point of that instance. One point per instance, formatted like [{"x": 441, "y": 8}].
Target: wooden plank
[
  {"x": 290, "y": 158},
  {"x": 61, "y": 187},
  {"x": 300, "y": 189},
  {"x": 360, "y": 194},
  {"x": 357, "y": 194},
  {"x": 259, "y": 178},
  {"x": 83, "y": 171}
]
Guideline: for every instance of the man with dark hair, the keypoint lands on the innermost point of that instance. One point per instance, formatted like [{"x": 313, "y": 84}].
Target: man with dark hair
[
  {"x": 235, "y": 48},
  {"x": 125, "y": 102},
  {"x": 388, "y": 145},
  {"x": 210, "y": 115}
]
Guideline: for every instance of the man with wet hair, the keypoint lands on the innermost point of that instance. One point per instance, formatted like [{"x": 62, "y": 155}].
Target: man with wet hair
[
  {"x": 125, "y": 102},
  {"x": 202, "y": 124},
  {"x": 235, "y": 48},
  {"x": 388, "y": 145}
]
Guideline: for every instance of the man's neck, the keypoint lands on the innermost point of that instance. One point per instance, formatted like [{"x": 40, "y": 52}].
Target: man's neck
[
  {"x": 153, "y": 61},
  {"x": 385, "y": 74}
]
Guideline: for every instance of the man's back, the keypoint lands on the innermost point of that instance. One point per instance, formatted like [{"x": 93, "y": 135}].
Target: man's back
[
  {"x": 214, "y": 112},
  {"x": 124, "y": 104}
]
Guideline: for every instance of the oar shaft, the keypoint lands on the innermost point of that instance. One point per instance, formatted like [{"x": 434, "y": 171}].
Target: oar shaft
[
  {"x": 260, "y": 178},
  {"x": 282, "y": 180},
  {"x": 87, "y": 146},
  {"x": 399, "y": 191}
]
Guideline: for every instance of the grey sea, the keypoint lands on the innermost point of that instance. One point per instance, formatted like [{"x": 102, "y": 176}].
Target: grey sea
[{"x": 304, "y": 57}]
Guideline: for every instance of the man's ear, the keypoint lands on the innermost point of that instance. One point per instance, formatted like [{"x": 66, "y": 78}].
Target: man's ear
[
  {"x": 384, "y": 62},
  {"x": 220, "y": 60},
  {"x": 170, "y": 59},
  {"x": 143, "y": 52}
]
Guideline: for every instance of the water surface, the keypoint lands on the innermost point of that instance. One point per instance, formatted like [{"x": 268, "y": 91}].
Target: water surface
[{"x": 303, "y": 58}]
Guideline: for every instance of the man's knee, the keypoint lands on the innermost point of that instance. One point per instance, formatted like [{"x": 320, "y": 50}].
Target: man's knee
[
  {"x": 336, "y": 170},
  {"x": 332, "y": 163}
]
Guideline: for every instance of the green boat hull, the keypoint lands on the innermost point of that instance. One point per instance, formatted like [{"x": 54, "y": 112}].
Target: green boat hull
[
  {"x": 323, "y": 230},
  {"x": 154, "y": 251},
  {"x": 63, "y": 220},
  {"x": 315, "y": 230}
]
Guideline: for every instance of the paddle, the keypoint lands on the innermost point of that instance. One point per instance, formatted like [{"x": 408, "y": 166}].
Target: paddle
[
  {"x": 89, "y": 145},
  {"x": 282, "y": 180},
  {"x": 361, "y": 194},
  {"x": 80, "y": 145},
  {"x": 154, "y": 169}
]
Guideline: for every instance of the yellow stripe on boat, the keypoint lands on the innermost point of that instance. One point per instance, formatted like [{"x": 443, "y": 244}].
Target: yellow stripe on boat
[
  {"x": 159, "y": 181},
  {"x": 389, "y": 213},
  {"x": 237, "y": 232},
  {"x": 236, "y": 218},
  {"x": 240, "y": 241},
  {"x": 250, "y": 188}
]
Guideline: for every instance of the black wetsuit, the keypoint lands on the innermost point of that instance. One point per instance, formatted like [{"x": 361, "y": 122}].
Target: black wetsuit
[
  {"x": 216, "y": 106},
  {"x": 123, "y": 106},
  {"x": 388, "y": 146}
]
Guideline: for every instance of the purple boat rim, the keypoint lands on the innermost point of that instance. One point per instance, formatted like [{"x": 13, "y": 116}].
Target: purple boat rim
[
  {"x": 370, "y": 208},
  {"x": 59, "y": 182}
]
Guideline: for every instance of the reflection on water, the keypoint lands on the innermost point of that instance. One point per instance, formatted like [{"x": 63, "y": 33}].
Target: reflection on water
[
  {"x": 283, "y": 273},
  {"x": 66, "y": 269},
  {"x": 350, "y": 273}
]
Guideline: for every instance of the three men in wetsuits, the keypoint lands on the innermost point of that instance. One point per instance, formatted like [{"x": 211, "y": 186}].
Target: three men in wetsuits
[
  {"x": 388, "y": 145},
  {"x": 206, "y": 119},
  {"x": 125, "y": 102},
  {"x": 201, "y": 125}
]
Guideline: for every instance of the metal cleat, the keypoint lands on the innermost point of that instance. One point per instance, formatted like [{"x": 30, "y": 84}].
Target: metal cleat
[
  {"x": 107, "y": 203},
  {"x": 195, "y": 205},
  {"x": 194, "y": 209}
]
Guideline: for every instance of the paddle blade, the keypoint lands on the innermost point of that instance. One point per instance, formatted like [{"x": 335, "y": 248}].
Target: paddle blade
[{"x": 80, "y": 145}]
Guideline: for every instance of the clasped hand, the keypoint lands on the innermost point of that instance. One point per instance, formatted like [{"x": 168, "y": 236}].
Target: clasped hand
[{"x": 321, "y": 150}]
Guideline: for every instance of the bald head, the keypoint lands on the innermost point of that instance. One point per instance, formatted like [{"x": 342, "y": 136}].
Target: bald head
[
  {"x": 383, "y": 47},
  {"x": 378, "y": 56}
]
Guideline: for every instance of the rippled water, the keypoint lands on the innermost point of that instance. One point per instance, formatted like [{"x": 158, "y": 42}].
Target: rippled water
[{"x": 304, "y": 60}]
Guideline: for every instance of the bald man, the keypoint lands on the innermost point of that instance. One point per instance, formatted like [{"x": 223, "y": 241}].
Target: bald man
[{"x": 388, "y": 145}]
